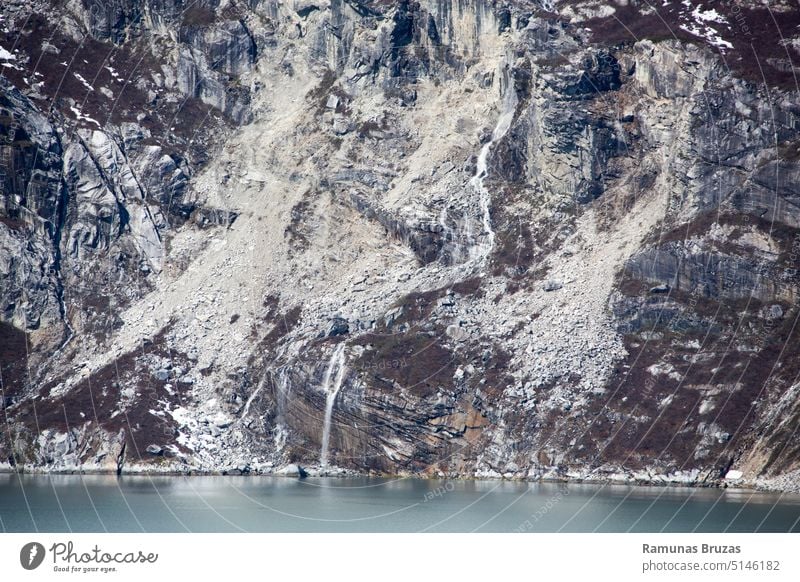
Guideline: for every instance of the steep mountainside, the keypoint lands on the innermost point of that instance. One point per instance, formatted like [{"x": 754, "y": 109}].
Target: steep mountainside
[{"x": 528, "y": 239}]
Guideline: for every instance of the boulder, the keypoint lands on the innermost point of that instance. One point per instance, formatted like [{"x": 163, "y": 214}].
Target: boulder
[
  {"x": 773, "y": 312},
  {"x": 332, "y": 102},
  {"x": 342, "y": 126},
  {"x": 292, "y": 470},
  {"x": 552, "y": 285},
  {"x": 338, "y": 326},
  {"x": 155, "y": 450}
]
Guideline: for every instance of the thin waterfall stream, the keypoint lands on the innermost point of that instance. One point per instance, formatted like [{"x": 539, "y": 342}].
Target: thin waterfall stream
[{"x": 331, "y": 385}]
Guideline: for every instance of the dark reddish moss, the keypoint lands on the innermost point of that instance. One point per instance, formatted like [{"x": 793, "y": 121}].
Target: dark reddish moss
[
  {"x": 415, "y": 361},
  {"x": 197, "y": 15},
  {"x": 756, "y": 34},
  {"x": 96, "y": 399},
  {"x": 13, "y": 361}
]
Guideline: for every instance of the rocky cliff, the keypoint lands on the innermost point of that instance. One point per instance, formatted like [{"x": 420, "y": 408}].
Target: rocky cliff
[{"x": 528, "y": 239}]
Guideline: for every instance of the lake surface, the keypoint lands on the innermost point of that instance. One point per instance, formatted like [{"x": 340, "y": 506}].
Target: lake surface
[{"x": 97, "y": 503}]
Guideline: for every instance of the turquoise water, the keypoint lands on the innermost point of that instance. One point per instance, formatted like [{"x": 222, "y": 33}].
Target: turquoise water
[{"x": 95, "y": 503}]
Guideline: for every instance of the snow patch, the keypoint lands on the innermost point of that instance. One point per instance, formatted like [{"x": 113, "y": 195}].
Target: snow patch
[
  {"x": 589, "y": 11},
  {"x": 698, "y": 25},
  {"x": 84, "y": 82},
  {"x": 664, "y": 369},
  {"x": 706, "y": 406},
  {"x": 708, "y": 16},
  {"x": 6, "y": 56},
  {"x": 81, "y": 117}
]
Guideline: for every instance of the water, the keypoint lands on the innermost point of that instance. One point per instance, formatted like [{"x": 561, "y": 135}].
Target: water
[
  {"x": 461, "y": 245},
  {"x": 247, "y": 404},
  {"x": 337, "y": 362},
  {"x": 481, "y": 170},
  {"x": 94, "y": 503}
]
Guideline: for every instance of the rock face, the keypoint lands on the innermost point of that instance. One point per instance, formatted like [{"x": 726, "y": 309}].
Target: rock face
[{"x": 517, "y": 239}]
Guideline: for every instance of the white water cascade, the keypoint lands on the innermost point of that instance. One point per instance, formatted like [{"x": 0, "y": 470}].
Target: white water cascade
[
  {"x": 331, "y": 388},
  {"x": 485, "y": 246},
  {"x": 253, "y": 396},
  {"x": 284, "y": 390}
]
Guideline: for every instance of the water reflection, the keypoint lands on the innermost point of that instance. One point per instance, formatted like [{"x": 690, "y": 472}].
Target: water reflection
[{"x": 205, "y": 504}]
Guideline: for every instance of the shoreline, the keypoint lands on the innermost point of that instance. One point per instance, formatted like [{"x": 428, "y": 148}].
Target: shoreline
[{"x": 336, "y": 473}]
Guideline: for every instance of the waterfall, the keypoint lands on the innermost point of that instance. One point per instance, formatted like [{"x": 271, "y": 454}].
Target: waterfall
[
  {"x": 465, "y": 232},
  {"x": 461, "y": 244},
  {"x": 447, "y": 232},
  {"x": 246, "y": 409},
  {"x": 486, "y": 245},
  {"x": 456, "y": 241},
  {"x": 336, "y": 363},
  {"x": 283, "y": 394}
]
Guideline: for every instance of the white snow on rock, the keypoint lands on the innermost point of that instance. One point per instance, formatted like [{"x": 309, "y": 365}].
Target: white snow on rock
[
  {"x": 5, "y": 59},
  {"x": 81, "y": 117},
  {"x": 84, "y": 82},
  {"x": 698, "y": 24},
  {"x": 6, "y": 56},
  {"x": 708, "y": 15},
  {"x": 664, "y": 369}
]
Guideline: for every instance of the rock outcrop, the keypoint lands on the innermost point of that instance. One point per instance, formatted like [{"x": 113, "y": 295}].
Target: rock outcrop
[{"x": 503, "y": 238}]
